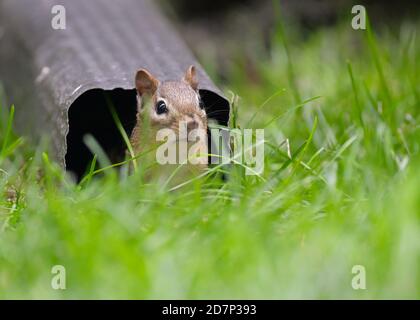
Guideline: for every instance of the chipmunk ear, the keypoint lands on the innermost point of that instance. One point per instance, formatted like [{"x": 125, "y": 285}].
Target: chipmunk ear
[
  {"x": 190, "y": 77},
  {"x": 145, "y": 82}
]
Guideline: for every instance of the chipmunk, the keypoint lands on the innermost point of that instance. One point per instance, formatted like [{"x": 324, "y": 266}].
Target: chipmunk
[{"x": 170, "y": 106}]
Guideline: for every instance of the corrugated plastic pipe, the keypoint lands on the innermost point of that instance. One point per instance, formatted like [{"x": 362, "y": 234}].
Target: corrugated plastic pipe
[{"x": 58, "y": 79}]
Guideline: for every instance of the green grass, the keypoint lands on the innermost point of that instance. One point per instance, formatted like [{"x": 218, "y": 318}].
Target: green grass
[{"x": 340, "y": 188}]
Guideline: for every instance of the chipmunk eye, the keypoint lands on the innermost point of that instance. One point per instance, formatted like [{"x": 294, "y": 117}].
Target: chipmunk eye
[{"x": 161, "y": 107}]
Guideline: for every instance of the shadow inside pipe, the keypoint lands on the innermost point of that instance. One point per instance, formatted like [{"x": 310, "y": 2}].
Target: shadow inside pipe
[{"x": 91, "y": 114}]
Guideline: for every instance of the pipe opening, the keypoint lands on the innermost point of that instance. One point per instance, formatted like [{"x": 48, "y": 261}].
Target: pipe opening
[{"x": 90, "y": 114}]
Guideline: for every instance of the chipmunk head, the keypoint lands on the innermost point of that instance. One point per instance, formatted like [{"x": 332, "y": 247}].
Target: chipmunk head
[{"x": 170, "y": 103}]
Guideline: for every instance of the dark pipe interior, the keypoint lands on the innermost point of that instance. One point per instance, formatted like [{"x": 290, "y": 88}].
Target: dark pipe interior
[{"x": 90, "y": 114}]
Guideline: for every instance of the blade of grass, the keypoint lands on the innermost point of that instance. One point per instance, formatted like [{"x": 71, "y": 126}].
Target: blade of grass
[
  {"x": 356, "y": 95},
  {"x": 281, "y": 38},
  {"x": 389, "y": 108},
  {"x": 114, "y": 165},
  {"x": 263, "y": 105},
  {"x": 91, "y": 172},
  {"x": 308, "y": 141},
  {"x": 97, "y": 150},
  {"x": 8, "y": 131},
  {"x": 291, "y": 110},
  {"x": 122, "y": 132}
]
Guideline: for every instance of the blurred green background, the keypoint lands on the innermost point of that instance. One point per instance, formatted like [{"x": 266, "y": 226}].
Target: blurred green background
[{"x": 340, "y": 109}]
